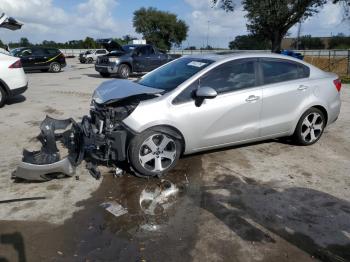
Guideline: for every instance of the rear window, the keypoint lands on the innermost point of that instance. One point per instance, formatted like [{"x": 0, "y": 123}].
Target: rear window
[
  {"x": 52, "y": 51},
  {"x": 279, "y": 70}
]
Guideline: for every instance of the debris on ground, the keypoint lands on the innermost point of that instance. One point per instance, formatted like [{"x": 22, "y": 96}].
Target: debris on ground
[
  {"x": 155, "y": 200},
  {"x": 114, "y": 208}
]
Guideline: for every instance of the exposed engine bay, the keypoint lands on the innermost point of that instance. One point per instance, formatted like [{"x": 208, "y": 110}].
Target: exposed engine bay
[{"x": 100, "y": 138}]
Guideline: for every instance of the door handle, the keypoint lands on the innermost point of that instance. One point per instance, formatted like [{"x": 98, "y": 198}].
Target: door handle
[
  {"x": 302, "y": 87},
  {"x": 252, "y": 98},
  {"x": 30, "y": 58}
]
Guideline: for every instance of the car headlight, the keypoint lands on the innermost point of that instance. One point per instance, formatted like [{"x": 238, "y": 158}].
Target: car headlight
[
  {"x": 114, "y": 60},
  {"x": 96, "y": 97}
]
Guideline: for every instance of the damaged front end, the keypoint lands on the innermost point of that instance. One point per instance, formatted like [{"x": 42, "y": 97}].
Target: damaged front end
[{"x": 100, "y": 138}]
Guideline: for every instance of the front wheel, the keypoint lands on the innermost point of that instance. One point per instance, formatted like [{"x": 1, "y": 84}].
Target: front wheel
[
  {"x": 124, "y": 71},
  {"x": 310, "y": 127},
  {"x": 89, "y": 60},
  {"x": 153, "y": 153}
]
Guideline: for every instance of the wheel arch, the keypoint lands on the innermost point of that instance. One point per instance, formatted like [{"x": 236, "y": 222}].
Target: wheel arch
[
  {"x": 128, "y": 64},
  {"x": 4, "y": 86},
  {"x": 324, "y": 112},
  {"x": 319, "y": 107}
]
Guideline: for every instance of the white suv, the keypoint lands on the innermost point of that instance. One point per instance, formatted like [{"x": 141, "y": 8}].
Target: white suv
[
  {"x": 91, "y": 55},
  {"x": 13, "y": 81}
]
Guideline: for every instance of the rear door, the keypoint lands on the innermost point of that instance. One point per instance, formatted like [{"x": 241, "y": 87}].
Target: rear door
[
  {"x": 232, "y": 116},
  {"x": 41, "y": 58},
  {"x": 285, "y": 88}
]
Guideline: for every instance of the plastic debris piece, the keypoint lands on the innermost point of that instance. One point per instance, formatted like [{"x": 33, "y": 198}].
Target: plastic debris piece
[{"x": 114, "y": 208}]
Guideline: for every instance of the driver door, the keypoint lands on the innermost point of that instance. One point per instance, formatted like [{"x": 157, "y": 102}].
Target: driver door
[{"x": 232, "y": 117}]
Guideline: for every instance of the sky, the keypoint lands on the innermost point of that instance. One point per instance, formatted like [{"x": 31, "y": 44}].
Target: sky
[{"x": 63, "y": 20}]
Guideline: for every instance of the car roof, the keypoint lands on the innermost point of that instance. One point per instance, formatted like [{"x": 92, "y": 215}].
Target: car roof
[{"x": 236, "y": 55}]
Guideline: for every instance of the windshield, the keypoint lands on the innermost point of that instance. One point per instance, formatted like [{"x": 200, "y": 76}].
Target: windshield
[
  {"x": 174, "y": 73},
  {"x": 128, "y": 48},
  {"x": 15, "y": 51}
]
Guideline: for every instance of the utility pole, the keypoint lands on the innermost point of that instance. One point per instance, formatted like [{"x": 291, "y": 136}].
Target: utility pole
[
  {"x": 208, "y": 33},
  {"x": 298, "y": 36}
]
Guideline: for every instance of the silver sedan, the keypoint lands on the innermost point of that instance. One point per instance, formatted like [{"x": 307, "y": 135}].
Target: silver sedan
[{"x": 197, "y": 103}]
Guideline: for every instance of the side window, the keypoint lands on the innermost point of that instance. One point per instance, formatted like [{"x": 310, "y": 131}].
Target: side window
[
  {"x": 142, "y": 51},
  {"x": 26, "y": 52},
  {"x": 52, "y": 51},
  {"x": 278, "y": 70},
  {"x": 186, "y": 95},
  {"x": 150, "y": 50},
  {"x": 231, "y": 76},
  {"x": 100, "y": 52},
  {"x": 304, "y": 71},
  {"x": 38, "y": 52}
]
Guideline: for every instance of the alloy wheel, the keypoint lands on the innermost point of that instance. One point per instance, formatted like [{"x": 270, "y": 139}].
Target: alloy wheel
[
  {"x": 311, "y": 128},
  {"x": 157, "y": 152}
]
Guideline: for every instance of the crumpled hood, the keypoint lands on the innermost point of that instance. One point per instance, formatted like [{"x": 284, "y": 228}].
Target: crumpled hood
[{"x": 114, "y": 90}]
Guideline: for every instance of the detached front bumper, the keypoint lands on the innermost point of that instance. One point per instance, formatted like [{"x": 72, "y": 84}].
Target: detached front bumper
[
  {"x": 39, "y": 165},
  {"x": 84, "y": 141}
]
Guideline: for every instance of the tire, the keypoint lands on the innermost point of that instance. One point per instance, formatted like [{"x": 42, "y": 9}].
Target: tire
[
  {"x": 3, "y": 97},
  {"x": 55, "y": 67},
  {"x": 105, "y": 74},
  {"x": 150, "y": 155},
  {"x": 310, "y": 127},
  {"x": 124, "y": 71},
  {"x": 89, "y": 60}
]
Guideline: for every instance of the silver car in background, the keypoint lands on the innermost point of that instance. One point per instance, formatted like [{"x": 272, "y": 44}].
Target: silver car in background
[{"x": 197, "y": 103}]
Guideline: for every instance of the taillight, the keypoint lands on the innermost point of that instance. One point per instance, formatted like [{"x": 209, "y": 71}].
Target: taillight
[
  {"x": 337, "y": 83},
  {"x": 16, "y": 64},
  {"x": 62, "y": 55}
]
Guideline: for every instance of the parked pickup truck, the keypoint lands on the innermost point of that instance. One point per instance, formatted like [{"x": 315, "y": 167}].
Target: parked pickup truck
[{"x": 127, "y": 59}]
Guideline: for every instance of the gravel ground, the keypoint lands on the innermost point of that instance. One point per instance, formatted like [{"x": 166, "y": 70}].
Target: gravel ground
[{"x": 269, "y": 201}]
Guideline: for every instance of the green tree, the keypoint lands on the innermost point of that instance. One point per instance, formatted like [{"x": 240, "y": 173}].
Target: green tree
[
  {"x": 272, "y": 19},
  {"x": 339, "y": 41},
  {"x": 24, "y": 42},
  {"x": 249, "y": 42},
  {"x": 89, "y": 43},
  {"x": 309, "y": 42},
  {"x": 163, "y": 29}
]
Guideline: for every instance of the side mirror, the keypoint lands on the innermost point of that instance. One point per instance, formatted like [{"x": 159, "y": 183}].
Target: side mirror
[{"x": 204, "y": 92}]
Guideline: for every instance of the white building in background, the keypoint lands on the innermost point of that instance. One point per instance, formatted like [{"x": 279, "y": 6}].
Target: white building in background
[{"x": 138, "y": 42}]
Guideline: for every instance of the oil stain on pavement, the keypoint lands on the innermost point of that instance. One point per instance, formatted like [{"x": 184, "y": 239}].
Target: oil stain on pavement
[{"x": 144, "y": 231}]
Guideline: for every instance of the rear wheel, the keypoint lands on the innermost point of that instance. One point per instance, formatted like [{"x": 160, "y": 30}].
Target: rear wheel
[
  {"x": 55, "y": 67},
  {"x": 105, "y": 74},
  {"x": 310, "y": 127},
  {"x": 153, "y": 153},
  {"x": 124, "y": 71},
  {"x": 2, "y": 97}
]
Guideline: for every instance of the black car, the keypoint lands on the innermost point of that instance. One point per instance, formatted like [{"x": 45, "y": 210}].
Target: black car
[{"x": 39, "y": 58}]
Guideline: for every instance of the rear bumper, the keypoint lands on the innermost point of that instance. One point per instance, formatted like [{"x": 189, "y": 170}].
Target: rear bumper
[{"x": 18, "y": 91}]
